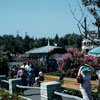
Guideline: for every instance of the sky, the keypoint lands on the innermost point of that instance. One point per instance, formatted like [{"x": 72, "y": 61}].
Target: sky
[{"x": 38, "y": 18}]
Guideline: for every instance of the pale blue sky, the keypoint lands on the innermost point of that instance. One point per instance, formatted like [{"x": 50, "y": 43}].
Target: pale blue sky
[{"x": 39, "y": 18}]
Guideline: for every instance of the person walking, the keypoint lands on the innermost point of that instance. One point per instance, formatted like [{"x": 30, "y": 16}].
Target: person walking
[{"x": 85, "y": 86}]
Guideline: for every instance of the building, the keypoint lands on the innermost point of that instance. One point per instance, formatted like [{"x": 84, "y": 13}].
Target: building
[{"x": 90, "y": 41}]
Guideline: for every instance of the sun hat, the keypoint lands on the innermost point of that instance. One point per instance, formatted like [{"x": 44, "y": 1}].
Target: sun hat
[
  {"x": 86, "y": 68},
  {"x": 22, "y": 66}
]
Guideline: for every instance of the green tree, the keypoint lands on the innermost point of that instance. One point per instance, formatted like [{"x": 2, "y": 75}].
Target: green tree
[
  {"x": 3, "y": 66},
  {"x": 56, "y": 39},
  {"x": 19, "y": 44},
  {"x": 9, "y": 42},
  {"x": 26, "y": 43},
  {"x": 37, "y": 43}
]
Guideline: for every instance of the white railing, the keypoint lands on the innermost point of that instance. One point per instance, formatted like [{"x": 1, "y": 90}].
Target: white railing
[{"x": 68, "y": 96}]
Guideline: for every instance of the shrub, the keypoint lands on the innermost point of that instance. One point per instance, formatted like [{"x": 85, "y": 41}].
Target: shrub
[
  {"x": 3, "y": 66},
  {"x": 71, "y": 61},
  {"x": 58, "y": 73},
  {"x": 6, "y": 96}
]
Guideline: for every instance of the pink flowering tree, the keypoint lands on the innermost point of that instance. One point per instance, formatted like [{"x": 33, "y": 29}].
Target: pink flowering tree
[{"x": 71, "y": 61}]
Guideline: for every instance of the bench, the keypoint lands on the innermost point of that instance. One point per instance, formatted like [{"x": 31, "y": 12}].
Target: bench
[{"x": 70, "y": 83}]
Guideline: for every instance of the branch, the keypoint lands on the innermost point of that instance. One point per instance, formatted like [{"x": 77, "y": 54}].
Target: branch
[
  {"x": 79, "y": 21},
  {"x": 79, "y": 24}
]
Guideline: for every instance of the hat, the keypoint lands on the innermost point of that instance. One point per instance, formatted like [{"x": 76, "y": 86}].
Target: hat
[
  {"x": 22, "y": 66},
  {"x": 86, "y": 68}
]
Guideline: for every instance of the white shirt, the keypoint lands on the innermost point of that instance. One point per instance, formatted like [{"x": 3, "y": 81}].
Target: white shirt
[{"x": 41, "y": 73}]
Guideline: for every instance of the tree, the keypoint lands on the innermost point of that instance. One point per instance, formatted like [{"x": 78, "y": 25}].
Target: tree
[
  {"x": 3, "y": 66},
  {"x": 56, "y": 39},
  {"x": 9, "y": 42},
  {"x": 19, "y": 44},
  {"x": 93, "y": 7},
  {"x": 26, "y": 43}
]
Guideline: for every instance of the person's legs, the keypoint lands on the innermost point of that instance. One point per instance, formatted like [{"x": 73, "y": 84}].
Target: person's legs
[
  {"x": 88, "y": 90},
  {"x": 84, "y": 94},
  {"x": 32, "y": 80},
  {"x": 38, "y": 81}
]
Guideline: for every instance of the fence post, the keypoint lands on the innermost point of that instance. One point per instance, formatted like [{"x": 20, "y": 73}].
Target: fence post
[
  {"x": 48, "y": 89},
  {"x": 10, "y": 86},
  {"x": 13, "y": 83},
  {"x": 2, "y": 77}
]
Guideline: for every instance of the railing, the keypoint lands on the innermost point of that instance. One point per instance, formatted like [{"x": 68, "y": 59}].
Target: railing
[
  {"x": 27, "y": 87},
  {"x": 11, "y": 84},
  {"x": 68, "y": 96}
]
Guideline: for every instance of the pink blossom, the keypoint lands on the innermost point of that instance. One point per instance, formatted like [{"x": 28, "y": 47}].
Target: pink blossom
[
  {"x": 9, "y": 97},
  {"x": 0, "y": 97},
  {"x": 76, "y": 58}
]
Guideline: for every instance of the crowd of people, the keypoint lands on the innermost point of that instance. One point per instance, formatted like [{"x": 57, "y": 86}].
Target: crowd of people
[
  {"x": 27, "y": 73},
  {"x": 28, "y": 77}
]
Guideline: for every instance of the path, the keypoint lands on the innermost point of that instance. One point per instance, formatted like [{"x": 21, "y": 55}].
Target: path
[{"x": 34, "y": 94}]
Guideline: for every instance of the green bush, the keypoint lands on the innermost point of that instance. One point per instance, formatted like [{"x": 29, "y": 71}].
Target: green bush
[
  {"x": 3, "y": 66},
  {"x": 58, "y": 73},
  {"x": 94, "y": 76}
]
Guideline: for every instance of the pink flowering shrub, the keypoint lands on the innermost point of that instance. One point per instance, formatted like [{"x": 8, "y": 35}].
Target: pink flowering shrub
[
  {"x": 6, "y": 96},
  {"x": 71, "y": 61}
]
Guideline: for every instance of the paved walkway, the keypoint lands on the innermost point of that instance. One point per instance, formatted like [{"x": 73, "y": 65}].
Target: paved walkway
[{"x": 34, "y": 94}]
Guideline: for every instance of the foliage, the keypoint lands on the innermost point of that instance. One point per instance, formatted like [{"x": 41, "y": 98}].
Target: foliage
[
  {"x": 3, "y": 66},
  {"x": 93, "y": 7},
  {"x": 94, "y": 76},
  {"x": 71, "y": 61},
  {"x": 58, "y": 73},
  {"x": 6, "y": 96},
  {"x": 20, "y": 45}
]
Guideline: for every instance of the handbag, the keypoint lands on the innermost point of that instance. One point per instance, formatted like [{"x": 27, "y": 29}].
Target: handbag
[{"x": 80, "y": 79}]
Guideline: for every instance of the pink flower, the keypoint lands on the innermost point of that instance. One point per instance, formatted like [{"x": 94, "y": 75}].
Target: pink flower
[
  {"x": 0, "y": 96},
  {"x": 9, "y": 97},
  {"x": 76, "y": 58}
]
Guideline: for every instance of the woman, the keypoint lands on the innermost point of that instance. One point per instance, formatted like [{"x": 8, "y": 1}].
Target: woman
[
  {"x": 31, "y": 75},
  {"x": 85, "y": 86},
  {"x": 23, "y": 75},
  {"x": 14, "y": 71},
  {"x": 40, "y": 77}
]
